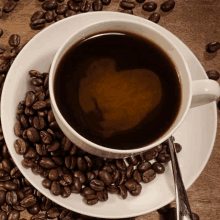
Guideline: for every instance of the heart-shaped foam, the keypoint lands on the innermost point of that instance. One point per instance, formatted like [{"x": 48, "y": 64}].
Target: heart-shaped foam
[{"x": 116, "y": 101}]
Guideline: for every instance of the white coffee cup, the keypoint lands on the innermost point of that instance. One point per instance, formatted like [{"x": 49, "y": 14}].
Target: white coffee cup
[{"x": 194, "y": 93}]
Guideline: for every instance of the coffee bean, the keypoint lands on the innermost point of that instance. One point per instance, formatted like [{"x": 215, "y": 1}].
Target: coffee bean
[
  {"x": 149, "y": 6},
  {"x": 54, "y": 212},
  {"x": 155, "y": 17},
  {"x": 102, "y": 195},
  {"x": 106, "y": 2},
  {"x": 37, "y": 82},
  {"x": 97, "y": 185},
  {"x": 24, "y": 121},
  {"x": 142, "y": 167},
  {"x": 90, "y": 176},
  {"x": 20, "y": 194},
  {"x": 31, "y": 153},
  {"x": 97, "y": 5},
  {"x": 66, "y": 214},
  {"x": 37, "y": 170},
  {"x": 113, "y": 189},
  {"x": 58, "y": 161},
  {"x": 45, "y": 137},
  {"x": 42, "y": 113},
  {"x": 33, "y": 135},
  {"x": 2, "y": 197},
  {"x": 167, "y": 5},
  {"x": 168, "y": 158},
  {"x": 1, "y": 32},
  {"x": 53, "y": 175},
  {"x": 212, "y": 47},
  {"x": 89, "y": 162},
  {"x": 59, "y": 17},
  {"x": 38, "y": 24},
  {"x": 35, "y": 73},
  {"x": 81, "y": 163},
  {"x": 15, "y": 173},
  {"x": 4, "y": 66},
  {"x": 121, "y": 164},
  {"x": 18, "y": 207},
  {"x": 150, "y": 154},
  {"x": 158, "y": 167},
  {"x": 69, "y": 13},
  {"x": 61, "y": 9},
  {"x": 14, "y": 40},
  {"x": 34, "y": 209},
  {"x": 37, "y": 15},
  {"x": 129, "y": 171},
  {"x": 178, "y": 147},
  {"x": 132, "y": 160},
  {"x": 213, "y": 74},
  {"x": 30, "y": 99},
  {"x": 90, "y": 199},
  {"x": 47, "y": 183},
  {"x": 3, "y": 215},
  {"x": 66, "y": 180},
  {"x": 105, "y": 177},
  {"x": 123, "y": 178},
  {"x": 39, "y": 123},
  {"x": 49, "y": 16},
  {"x": 137, "y": 190},
  {"x": 126, "y": 4},
  {"x": 66, "y": 144},
  {"x": 45, "y": 203},
  {"x": 9, "y": 6},
  {"x": 2, "y": 49},
  {"x": 7, "y": 165},
  {"x": 73, "y": 6},
  {"x": 14, "y": 215},
  {"x": 18, "y": 129},
  {"x": 148, "y": 176},
  {"x": 27, "y": 163},
  {"x": 76, "y": 186},
  {"x": 87, "y": 191},
  {"x": 55, "y": 188},
  {"x": 123, "y": 191},
  {"x": 116, "y": 176},
  {"x": 127, "y": 11},
  {"x": 140, "y": 1},
  {"x": 70, "y": 162},
  {"x": 161, "y": 158},
  {"x": 46, "y": 162},
  {"x": 39, "y": 105},
  {"x": 41, "y": 216},
  {"x": 28, "y": 201},
  {"x": 49, "y": 5},
  {"x": 130, "y": 185},
  {"x": 85, "y": 6}
]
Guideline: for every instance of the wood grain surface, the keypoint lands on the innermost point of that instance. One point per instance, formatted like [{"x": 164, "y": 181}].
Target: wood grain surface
[{"x": 196, "y": 23}]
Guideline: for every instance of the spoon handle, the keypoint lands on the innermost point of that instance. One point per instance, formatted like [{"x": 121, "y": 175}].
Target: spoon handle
[{"x": 182, "y": 203}]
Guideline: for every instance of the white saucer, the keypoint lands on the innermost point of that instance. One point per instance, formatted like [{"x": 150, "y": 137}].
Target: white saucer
[{"x": 196, "y": 134}]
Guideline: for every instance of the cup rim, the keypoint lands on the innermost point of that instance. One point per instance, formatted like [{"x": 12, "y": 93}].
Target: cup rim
[{"x": 53, "y": 68}]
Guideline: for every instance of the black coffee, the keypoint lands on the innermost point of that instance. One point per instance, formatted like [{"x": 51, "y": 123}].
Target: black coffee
[{"x": 118, "y": 90}]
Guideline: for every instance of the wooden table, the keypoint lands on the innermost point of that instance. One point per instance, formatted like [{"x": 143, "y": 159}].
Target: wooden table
[{"x": 196, "y": 23}]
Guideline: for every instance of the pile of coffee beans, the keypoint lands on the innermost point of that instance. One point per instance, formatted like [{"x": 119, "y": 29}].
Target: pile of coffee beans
[
  {"x": 56, "y": 10},
  {"x": 67, "y": 169}
]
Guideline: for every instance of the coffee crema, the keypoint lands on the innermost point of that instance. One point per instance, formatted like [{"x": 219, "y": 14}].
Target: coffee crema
[{"x": 118, "y": 90}]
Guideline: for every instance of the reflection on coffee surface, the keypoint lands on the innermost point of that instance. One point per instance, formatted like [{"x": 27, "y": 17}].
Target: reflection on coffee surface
[{"x": 118, "y": 90}]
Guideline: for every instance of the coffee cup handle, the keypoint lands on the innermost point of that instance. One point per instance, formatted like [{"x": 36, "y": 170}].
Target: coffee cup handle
[{"x": 204, "y": 91}]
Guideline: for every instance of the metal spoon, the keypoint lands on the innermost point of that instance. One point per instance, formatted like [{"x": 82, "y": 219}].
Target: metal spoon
[{"x": 182, "y": 204}]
